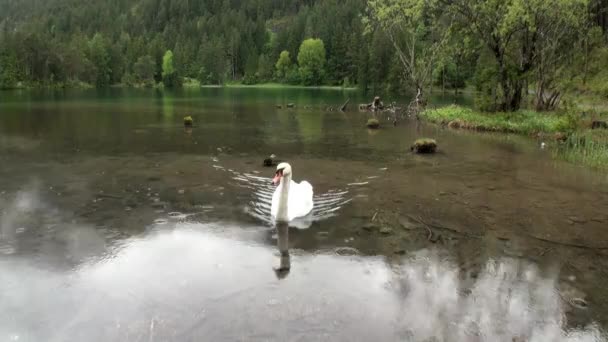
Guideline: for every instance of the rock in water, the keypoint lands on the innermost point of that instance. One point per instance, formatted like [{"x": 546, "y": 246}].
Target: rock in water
[
  {"x": 373, "y": 123},
  {"x": 424, "y": 145},
  {"x": 270, "y": 161},
  {"x": 188, "y": 121}
]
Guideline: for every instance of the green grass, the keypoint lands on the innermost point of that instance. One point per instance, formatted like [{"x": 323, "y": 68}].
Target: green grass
[
  {"x": 588, "y": 147},
  {"x": 523, "y": 121},
  {"x": 272, "y": 85}
]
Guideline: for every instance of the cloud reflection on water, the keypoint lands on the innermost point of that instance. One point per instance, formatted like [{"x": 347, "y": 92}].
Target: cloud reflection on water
[{"x": 199, "y": 281}]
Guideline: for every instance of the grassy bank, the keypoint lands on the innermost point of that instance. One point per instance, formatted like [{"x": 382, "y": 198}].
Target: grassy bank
[
  {"x": 587, "y": 147},
  {"x": 576, "y": 141},
  {"x": 281, "y": 86},
  {"x": 524, "y": 121}
]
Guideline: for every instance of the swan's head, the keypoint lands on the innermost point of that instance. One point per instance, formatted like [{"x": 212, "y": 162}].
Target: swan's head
[{"x": 283, "y": 170}]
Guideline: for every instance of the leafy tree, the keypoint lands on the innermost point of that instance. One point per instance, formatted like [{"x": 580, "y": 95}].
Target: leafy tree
[
  {"x": 170, "y": 77},
  {"x": 100, "y": 59},
  {"x": 144, "y": 70},
  {"x": 519, "y": 34},
  {"x": 410, "y": 27},
  {"x": 8, "y": 71},
  {"x": 283, "y": 65},
  {"x": 311, "y": 59}
]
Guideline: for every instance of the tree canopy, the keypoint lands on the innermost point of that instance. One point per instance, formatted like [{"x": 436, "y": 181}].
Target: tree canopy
[
  {"x": 311, "y": 59},
  {"x": 514, "y": 52}
]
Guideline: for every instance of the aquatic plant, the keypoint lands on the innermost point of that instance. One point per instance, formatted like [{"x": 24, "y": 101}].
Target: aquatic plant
[
  {"x": 424, "y": 145},
  {"x": 523, "y": 121},
  {"x": 373, "y": 123},
  {"x": 588, "y": 147},
  {"x": 188, "y": 121}
]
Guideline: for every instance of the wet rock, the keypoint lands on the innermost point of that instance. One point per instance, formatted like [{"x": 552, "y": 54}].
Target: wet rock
[
  {"x": 291, "y": 105},
  {"x": 575, "y": 219},
  {"x": 424, "y": 145},
  {"x": 579, "y": 303},
  {"x": 159, "y": 205},
  {"x": 322, "y": 235},
  {"x": 386, "y": 230},
  {"x": 271, "y": 161},
  {"x": 373, "y": 123},
  {"x": 346, "y": 251},
  {"x": 370, "y": 227},
  {"x": 279, "y": 107},
  {"x": 455, "y": 124},
  {"x": 188, "y": 121},
  {"x": 407, "y": 223}
]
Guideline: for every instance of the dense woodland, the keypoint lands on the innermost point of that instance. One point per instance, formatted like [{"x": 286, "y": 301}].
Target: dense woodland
[{"x": 512, "y": 52}]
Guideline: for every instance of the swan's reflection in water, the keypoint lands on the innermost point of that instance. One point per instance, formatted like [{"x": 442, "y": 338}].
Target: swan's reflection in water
[
  {"x": 283, "y": 244},
  {"x": 211, "y": 282}
]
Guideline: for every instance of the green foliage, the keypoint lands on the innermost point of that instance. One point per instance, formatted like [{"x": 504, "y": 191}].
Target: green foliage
[
  {"x": 144, "y": 70},
  {"x": 524, "y": 121},
  {"x": 9, "y": 74},
  {"x": 588, "y": 147},
  {"x": 293, "y": 76},
  {"x": 499, "y": 46},
  {"x": 311, "y": 59},
  {"x": 283, "y": 65},
  {"x": 100, "y": 60},
  {"x": 170, "y": 77}
]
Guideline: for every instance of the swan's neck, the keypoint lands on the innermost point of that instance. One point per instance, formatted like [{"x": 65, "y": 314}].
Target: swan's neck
[{"x": 282, "y": 214}]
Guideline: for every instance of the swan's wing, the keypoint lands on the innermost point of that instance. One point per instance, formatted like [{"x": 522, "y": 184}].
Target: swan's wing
[{"x": 300, "y": 199}]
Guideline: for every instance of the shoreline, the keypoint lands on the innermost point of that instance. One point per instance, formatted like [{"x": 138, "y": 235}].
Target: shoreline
[{"x": 572, "y": 136}]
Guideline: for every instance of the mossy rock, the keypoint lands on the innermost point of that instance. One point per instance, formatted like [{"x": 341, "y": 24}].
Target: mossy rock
[
  {"x": 373, "y": 123},
  {"x": 188, "y": 121},
  {"x": 424, "y": 145}
]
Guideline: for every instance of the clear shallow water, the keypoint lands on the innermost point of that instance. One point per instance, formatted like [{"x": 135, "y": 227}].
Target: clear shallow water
[{"x": 118, "y": 224}]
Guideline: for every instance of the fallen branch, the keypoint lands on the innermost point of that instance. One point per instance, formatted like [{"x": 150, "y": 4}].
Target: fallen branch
[
  {"x": 109, "y": 196},
  {"x": 343, "y": 108},
  {"x": 567, "y": 244},
  {"x": 419, "y": 220}
]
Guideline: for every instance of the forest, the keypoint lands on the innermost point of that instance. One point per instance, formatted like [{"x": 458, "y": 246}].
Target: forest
[{"x": 511, "y": 52}]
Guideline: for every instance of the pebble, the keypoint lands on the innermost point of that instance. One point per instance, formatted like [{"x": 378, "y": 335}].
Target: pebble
[
  {"x": 346, "y": 251},
  {"x": 369, "y": 227},
  {"x": 575, "y": 219},
  {"x": 386, "y": 230}
]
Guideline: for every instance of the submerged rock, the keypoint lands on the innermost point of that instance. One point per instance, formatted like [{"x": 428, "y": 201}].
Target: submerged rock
[
  {"x": 455, "y": 124},
  {"x": 386, "y": 230},
  {"x": 373, "y": 123},
  {"x": 424, "y": 145}
]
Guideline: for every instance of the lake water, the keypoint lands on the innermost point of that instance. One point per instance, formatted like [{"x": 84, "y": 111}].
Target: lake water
[{"x": 118, "y": 224}]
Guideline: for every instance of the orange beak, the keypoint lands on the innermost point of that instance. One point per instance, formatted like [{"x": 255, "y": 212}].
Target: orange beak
[{"x": 277, "y": 177}]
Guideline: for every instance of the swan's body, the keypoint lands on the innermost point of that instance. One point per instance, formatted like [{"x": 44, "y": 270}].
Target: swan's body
[{"x": 290, "y": 200}]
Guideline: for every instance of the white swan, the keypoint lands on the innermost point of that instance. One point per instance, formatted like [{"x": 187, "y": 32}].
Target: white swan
[{"x": 290, "y": 200}]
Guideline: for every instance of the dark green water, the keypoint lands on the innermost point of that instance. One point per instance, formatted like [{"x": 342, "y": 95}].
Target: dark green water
[{"x": 117, "y": 223}]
